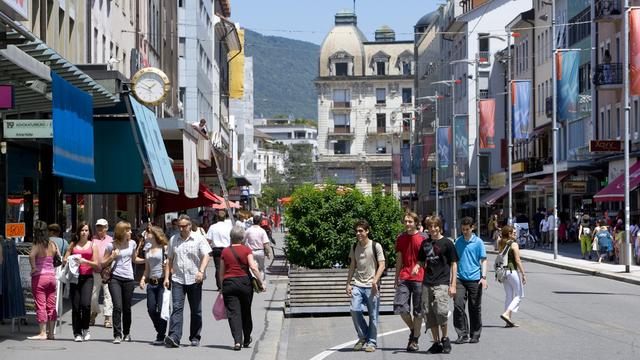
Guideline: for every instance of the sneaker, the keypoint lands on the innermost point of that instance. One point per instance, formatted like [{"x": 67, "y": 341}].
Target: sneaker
[
  {"x": 127, "y": 338},
  {"x": 436, "y": 348},
  {"x": 370, "y": 348},
  {"x": 195, "y": 342},
  {"x": 461, "y": 339},
  {"x": 86, "y": 335},
  {"x": 170, "y": 343},
  {"x": 474, "y": 341},
  {"x": 413, "y": 345},
  {"x": 117, "y": 340},
  {"x": 78, "y": 338},
  {"x": 446, "y": 345},
  {"x": 358, "y": 346}
]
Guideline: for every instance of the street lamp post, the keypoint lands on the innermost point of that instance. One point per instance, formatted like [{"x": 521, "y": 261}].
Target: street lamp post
[
  {"x": 555, "y": 130},
  {"x": 627, "y": 109}
]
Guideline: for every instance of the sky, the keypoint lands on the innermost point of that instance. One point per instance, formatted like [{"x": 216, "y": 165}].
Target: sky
[{"x": 311, "y": 20}]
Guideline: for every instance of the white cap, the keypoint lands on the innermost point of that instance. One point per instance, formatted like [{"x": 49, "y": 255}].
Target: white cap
[{"x": 102, "y": 222}]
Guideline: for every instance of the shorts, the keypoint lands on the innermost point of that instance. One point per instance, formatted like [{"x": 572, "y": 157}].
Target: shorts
[
  {"x": 435, "y": 305},
  {"x": 408, "y": 297}
]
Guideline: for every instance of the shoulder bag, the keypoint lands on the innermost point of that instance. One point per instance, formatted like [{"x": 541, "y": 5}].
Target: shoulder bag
[
  {"x": 107, "y": 272},
  {"x": 254, "y": 282}
]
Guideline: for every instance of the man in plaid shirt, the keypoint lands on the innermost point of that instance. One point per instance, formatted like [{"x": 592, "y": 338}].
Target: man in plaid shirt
[{"x": 187, "y": 273}]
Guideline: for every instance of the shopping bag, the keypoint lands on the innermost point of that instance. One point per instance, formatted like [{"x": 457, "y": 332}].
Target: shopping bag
[
  {"x": 219, "y": 311},
  {"x": 165, "y": 313}
]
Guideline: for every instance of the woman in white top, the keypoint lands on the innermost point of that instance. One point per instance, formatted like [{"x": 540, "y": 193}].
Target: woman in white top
[
  {"x": 544, "y": 231},
  {"x": 258, "y": 241},
  {"x": 155, "y": 259}
]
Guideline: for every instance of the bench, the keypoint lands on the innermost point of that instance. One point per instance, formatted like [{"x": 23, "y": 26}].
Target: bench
[{"x": 323, "y": 292}]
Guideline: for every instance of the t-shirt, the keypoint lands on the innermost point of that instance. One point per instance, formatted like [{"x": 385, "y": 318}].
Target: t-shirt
[
  {"x": 470, "y": 253},
  {"x": 438, "y": 255},
  {"x": 231, "y": 266},
  {"x": 255, "y": 237},
  {"x": 604, "y": 240},
  {"x": 365, "y": 269},
  {"x": 409, "y": 246},
  {"x": 544, "y": 225},
  {"x": 122, "y": 266},
  {"x": 219, "y": 234}
]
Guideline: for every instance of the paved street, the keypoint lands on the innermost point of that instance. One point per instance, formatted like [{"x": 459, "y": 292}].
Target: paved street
[{"x": 565, "y": 315}]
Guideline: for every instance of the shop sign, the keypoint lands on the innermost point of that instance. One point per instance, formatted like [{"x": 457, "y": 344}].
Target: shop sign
[
  {"x": 28, "y": 129},
  {"x": 7, "y": 98},
  {"x": 533, "y": 188},
  {"x": 605, "y": 145},
  {"x": 14, "y": 230},
  {"x": 517, "y": 167},
  {"x": 497, "y": 180},
  {"x": 575, "y": 187},
  {"x": 16, "y": 9}
]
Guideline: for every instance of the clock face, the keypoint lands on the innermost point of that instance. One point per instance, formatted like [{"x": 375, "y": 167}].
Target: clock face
[{"x": 150, "y": 86}]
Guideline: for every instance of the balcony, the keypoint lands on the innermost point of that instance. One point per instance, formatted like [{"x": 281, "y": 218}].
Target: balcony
[
  {"x": 534, "y": 165},
  {"x": 608, "y": 74},
  {"x": 484, "y": 58},
  {"x": 341, "y": 105},
  {"x": 608, "y": 10},
  {"x": 341, "y": 131}
]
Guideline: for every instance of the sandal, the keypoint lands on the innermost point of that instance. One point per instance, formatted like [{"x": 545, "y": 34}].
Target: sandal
[
  {"x": 237, "y": 347},
  {"x": 37, "y": 337},
  {"x": 508, "y": 321}
]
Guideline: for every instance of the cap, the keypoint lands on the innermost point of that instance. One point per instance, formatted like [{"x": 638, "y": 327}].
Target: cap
[{"x": 102, "y": 222}]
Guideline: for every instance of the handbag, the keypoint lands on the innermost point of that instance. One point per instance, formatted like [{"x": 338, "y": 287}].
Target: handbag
[
  {"x": 219, "y": 311},
  {"x": 107, "y": 272},
  {"x": 500, "y": 264},
  {"x": 57, "y": 260},
  {"x": 254, "y": 282}
]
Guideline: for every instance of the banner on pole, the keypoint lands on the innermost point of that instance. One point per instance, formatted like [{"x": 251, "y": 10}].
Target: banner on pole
[
  {"x": 462, "y": 149},
  {"x": 444, "y": 146},
  {"x": 397, "y": 166},
  {"x": 567, "y": 64},
  {"x": 487, "y": 123},
  {"x": 634, "y": 52},
  {"x": 520, "y": 100}
]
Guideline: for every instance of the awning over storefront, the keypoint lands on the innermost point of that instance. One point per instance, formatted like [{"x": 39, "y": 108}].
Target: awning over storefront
[
  {"x": 159, "y": 164},
  {"x": 178, "y": 202},
  {"x": 615, "y": 190},
  {"x": 232, "y": 204},
  {"x": 548, "y": 180},
  {"x": 491, "y": 198}
]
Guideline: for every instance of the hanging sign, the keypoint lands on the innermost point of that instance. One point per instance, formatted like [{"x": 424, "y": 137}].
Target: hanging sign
[{"x": 28, "y": 129}]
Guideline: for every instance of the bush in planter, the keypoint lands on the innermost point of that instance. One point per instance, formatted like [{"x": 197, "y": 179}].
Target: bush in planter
[{"x": 320, "y": 223}]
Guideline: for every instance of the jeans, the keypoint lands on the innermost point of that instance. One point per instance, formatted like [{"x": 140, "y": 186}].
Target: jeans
[
  {"x": 238, "y": 295},
  {"x": 80, "y": 294},
  {"x": 154, "y": 307},
  {"x": 121, "y": 290},
  {"x": 468, "y": 291},
  {"x": 194, "y": 294},
  {"x": 215, "y": 254},
  {"x": 97, "y": 286},
  {"x": 361, "y": 298}
]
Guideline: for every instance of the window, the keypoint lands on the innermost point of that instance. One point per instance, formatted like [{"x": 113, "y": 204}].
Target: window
[
  {"x": 95, "y": 45},
  {"x": 342, "y": 69},
  {"x": 608, "y": 123},
  {"x": 381, "y": 146},
  {"x": 406, "y": 68},
  {"x": 406, "y": 122},
  {"x": 181, "y": 46},
  {"x": 601, "y": 125},
  {"x": 406, "y": 95},
  {"x": 619, "y": 132},
  {"x": 483, "y": 42},
  {"x": 343, "y": 176},
  {"x": 636, "y": 119},
  {"x": 104, "y": 49},
  {"x": 381, "y": 96},
  {"x": 381, "y": 68},
  {"x": 299, "y": 135},
  {"x": 341, "y": 120},
  {"x": 381, "y": 123},
  {"x": 340, "y": 96},
  {"x": 341, "y": 147}
]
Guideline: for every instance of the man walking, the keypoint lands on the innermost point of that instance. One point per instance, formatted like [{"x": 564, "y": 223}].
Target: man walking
[
  {"x": 187, "y": 259},
  {"x": 219, "y": 238},
  {"x": 407, "y": 301},
  {"x": 439, "y": 259},
  {"x": 472, "y": 278},
  {"x": 101, "y": 240},
  {"x": 363, "y": 281}
]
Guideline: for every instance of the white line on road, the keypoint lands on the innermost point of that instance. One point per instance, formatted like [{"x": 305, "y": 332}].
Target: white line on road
[{"x": 327, "y": 353}]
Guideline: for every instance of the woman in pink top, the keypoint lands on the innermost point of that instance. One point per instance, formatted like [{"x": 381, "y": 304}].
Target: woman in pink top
[
  {"x": 80, "y": 293},
  {"x": 43, "y": 281}
]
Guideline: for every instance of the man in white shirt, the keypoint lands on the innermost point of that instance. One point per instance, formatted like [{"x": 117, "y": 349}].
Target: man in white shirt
[
  {"x": 551, "y": 222},
  {"x": 258, "y": 241},
  {"x": 219, "y": 238}
]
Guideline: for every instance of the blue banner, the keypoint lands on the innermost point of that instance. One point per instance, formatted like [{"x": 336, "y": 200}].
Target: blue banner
[
  {"x": 444, "y": 146},
  {"x": 520, "y": 100},
  {"x": 72, "y": 131},
  {"x": 406, "y": 161},
  {"x": 567, "y": 64},
  {"x": 156, "y": 152}
]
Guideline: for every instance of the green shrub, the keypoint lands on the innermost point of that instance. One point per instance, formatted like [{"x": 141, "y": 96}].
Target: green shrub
[{"x": 320, "y": 224}]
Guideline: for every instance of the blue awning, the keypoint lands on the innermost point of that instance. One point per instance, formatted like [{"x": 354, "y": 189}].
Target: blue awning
[{"x": 161, "y": 172}]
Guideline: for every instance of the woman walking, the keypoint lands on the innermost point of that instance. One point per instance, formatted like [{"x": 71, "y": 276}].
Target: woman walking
[
  {"x": 153, "y": 278},
  {"x": 584, "y": 234},
  {"x": 43, "y": 281},
  {"x": 515, "y": 280},
  {"x": 258, "y": 241},
  {"x": 235, "y": 277},
  {"x": 121, "y": 252},
  {"x": 85, "y": 254}
]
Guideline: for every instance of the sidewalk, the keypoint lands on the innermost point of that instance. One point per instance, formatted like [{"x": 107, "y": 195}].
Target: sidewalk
[
  {"x": 570, "y": 258},
  {"x": 267, "y": 314}
]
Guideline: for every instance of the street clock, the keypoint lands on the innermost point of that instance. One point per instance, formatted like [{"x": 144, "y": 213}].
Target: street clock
[{"x": 150, "y": 86}]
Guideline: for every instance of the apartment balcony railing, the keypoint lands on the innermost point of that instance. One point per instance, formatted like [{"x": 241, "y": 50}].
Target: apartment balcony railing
[
  {"x": 608, "y": 74},
  {"x": 608, "y": 10},
  {"x": 533, "y": 165},
  {"x": 484, "y": 57},
  {"x": 344, "y": 105},
  {"x": 341, "y": 130}
]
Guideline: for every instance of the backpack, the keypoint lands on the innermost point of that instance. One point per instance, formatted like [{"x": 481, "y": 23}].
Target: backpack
[
  {"x": 500, "y": 265},
  {"x": 375, "y": 258}
]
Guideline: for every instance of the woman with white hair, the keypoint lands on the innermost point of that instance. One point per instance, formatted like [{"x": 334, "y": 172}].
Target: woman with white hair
[{"x": 236, "y": 266}]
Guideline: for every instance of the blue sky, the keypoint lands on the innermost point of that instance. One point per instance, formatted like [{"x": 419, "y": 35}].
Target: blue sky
[{"x": 311, "y": 20}]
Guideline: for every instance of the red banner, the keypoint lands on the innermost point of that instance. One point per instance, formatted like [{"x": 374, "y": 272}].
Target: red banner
[
  {"x": 634, "y": 52},
  {"x": 427, "y": 141},
  {"x": 487, "y": 123},
  {"x": 396, "y": 161}
]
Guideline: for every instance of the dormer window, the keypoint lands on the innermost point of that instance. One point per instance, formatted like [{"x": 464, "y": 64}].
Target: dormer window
[
  {"x": 405, "y": 62},
  {"x": 342, "y": 69},
  {"x": 341, "y": 64},
  {"x": 381, "y": 66},
  {"x": 380, "y": 63}
]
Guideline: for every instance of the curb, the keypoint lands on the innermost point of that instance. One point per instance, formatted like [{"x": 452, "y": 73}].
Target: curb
[{"x": 564, "y": 266}]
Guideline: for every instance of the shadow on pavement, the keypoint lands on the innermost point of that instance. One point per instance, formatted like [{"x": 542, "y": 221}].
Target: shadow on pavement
[{"x": 590, "y": 293}]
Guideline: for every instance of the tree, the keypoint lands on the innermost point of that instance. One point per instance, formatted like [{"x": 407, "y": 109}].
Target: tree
[
  {"x": 299, "y": 164},
  {"x": 275, "y": 188}
]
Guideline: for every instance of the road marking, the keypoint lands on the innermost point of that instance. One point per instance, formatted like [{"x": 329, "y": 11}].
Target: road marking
[{"x": 327, "y": 353}]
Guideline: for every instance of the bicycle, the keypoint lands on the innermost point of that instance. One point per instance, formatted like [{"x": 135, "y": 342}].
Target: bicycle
[{"x": 525, "y": 239}]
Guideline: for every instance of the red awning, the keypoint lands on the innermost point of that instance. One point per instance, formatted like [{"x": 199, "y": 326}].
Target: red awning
[
  {"x": 167, "y": 202},
  {"x": 221, "y": 206},
  {"x": 615, "y": 190},
  {"x": 491, "y": 198},
  {"x": 548, "y": 180}
]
